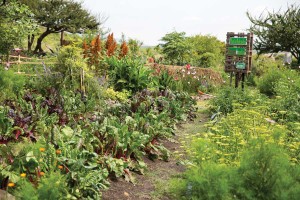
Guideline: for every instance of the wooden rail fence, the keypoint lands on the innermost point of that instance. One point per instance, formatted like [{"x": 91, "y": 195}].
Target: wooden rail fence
[{"x": 21, "y": 60}]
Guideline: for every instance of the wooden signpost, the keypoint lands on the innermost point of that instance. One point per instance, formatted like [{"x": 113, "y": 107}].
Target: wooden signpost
[{"x": 238, "y": 58}]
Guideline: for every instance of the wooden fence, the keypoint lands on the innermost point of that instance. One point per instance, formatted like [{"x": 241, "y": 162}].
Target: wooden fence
[{"x": 21, "y": 60}]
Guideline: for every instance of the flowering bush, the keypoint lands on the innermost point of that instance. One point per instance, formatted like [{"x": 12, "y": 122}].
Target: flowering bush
[{"x": 188, "y": 79}]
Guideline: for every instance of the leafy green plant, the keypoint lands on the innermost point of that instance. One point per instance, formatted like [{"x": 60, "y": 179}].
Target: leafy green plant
[
  {"x": 51, "y": 186},
  {"x": 129, "y": 74},
  {"x": 72, "y": 66},
  {"x": 266, "y": 173},
  {"x": 6, "y": 123},
  {"x": 266, "y": 83},
  {"x": 286, "y": 104},
  {"x": 115, "y": 95},
  {"x": 209, "y": 181},
  {"x": 228, "y": 97},
  {"x": 165, "y": 80},
  {"x": 245, "y": 155},
  {"x": 11, "y": 85}
]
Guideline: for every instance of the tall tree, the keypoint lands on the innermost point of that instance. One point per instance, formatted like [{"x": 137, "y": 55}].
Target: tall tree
[
  {"x": 206, "y": 50},
  {"x": 16, "y": 22},
  {"x": 277, "y": 31},
  {"x": 61, "y": 15},
  {"x": 31, "y": 36},
  {"x": 175, "y": 47}
]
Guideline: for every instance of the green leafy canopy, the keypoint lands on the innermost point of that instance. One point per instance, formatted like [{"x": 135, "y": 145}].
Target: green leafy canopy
[{"x": 277, "y": 31}]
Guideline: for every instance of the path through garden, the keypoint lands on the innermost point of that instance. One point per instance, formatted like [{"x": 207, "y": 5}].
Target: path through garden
[{"x": 155, "y": 182}]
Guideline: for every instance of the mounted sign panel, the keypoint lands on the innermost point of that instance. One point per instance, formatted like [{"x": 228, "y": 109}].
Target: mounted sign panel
[
  {"x": 238, "y": 58},
  {"x": 238, "y": 41},
  {"x": 240, "y": 65},
  {"x": 236, "y": 51}
]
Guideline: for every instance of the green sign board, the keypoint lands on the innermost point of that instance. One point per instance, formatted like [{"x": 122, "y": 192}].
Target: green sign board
[
  {"x": 236, "y": 51},
  {"x": 240, "y": 65},
  {"x": 238, "y": 41}
]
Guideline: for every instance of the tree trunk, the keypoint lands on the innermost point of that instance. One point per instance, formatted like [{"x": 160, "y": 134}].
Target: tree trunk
[
  {"x": 30, "y": 41},
  {"x": 296, "y": 54},
  {"x": 38, "y": 48},
  {"x": 62, "y": 38}
]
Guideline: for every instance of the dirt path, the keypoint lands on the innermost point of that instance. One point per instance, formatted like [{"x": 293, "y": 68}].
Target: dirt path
[{"x": 154, "y": 183}]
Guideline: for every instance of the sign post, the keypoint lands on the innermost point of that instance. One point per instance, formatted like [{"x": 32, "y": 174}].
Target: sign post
[{"x": 238, "y": 58}]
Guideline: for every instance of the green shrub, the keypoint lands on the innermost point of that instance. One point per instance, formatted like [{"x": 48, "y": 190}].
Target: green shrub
[
  {"x": 245, "y": 155},
  {"x": 51, "y": 186},
  {"x": 267, "y": 82},
  {"x": 27, "y": 191},
  {"x": 11, "y": 85},
  {"x": 205, "y": 51},
  {"x": 261, "y": 65},
  {"x": 71, "y": 66},
  {"x": 208, "y": 181},
  {"x": 266, "y": 173},
  {"x": 128, "y": 74},
  {"x": 207, "y": 60},
  {"x": 286, "y": 105},
  {"x": 227, "y": 97},
  {"x": 109, "y": 93}
]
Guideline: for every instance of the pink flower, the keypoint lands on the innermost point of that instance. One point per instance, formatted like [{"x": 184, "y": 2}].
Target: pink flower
[{"x": 188, "y": 66}]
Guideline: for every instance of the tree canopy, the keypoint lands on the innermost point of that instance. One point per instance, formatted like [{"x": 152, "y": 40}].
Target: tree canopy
[
  {"x": 16, "y": 22},
  {"x": 277, "y": 31},
  {"x": 60, "y": 15},
  {"x": 197, "y": 50},
  {"x": 206, "y": 50},
  {"x": 175, "y": 47}
]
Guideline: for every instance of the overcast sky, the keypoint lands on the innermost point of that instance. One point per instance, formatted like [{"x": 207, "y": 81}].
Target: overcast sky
[{"x": 150, "y": 20}]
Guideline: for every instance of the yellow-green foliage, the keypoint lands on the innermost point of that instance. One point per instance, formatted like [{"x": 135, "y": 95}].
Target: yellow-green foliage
[
  {"x": 70, "y": 58},
  {"x": 110, "y": 93},
  {"x": 72, "y": 66},
  {"x": 245, "y": 155},
  {"x": 240, "y": 129}
]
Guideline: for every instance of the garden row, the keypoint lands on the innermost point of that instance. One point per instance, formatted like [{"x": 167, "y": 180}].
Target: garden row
[
  {"x": 64, "y": 131},
  {"x": 250, "y": 149}
]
